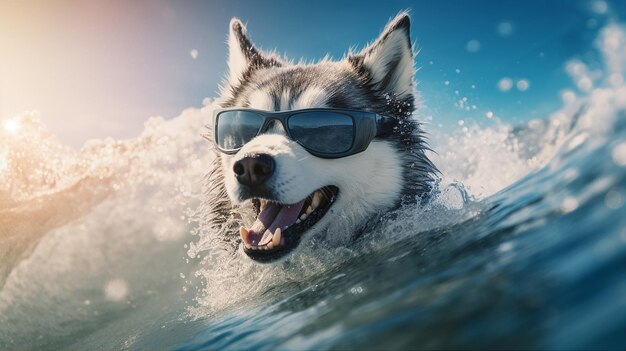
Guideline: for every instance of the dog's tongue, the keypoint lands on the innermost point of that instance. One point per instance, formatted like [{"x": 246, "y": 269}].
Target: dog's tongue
[{"x": 273, "y": 216}]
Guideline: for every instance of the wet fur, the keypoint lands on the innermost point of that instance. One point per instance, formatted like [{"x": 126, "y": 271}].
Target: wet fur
[{"x": 378, "y": 79}]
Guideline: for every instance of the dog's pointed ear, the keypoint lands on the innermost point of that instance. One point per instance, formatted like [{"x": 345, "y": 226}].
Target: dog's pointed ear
[
  {"x": 387, "y": 63},
  {"x": 243, "y": 56}
]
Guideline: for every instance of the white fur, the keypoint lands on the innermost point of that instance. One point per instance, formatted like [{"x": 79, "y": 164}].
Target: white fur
[
  {"x": 237, "y": 61},
  {"x": 312, "y": 97},
  {"x": 261, "y": 100},
  {"x": 368, "y": 182},
  {"x": 284, "y": 100},
  {"x": 380, "y": 54}
]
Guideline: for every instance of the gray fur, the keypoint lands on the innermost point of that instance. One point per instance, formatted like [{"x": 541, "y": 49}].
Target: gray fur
[{"x": 349, "y": 84}]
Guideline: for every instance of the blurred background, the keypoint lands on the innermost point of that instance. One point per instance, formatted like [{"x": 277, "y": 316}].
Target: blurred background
[
  {"x": 98, "y": 69},
  {"x": 104, "y": 244}
]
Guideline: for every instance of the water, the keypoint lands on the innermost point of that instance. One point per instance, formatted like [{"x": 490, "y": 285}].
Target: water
[{"x": 525, "y": 245}]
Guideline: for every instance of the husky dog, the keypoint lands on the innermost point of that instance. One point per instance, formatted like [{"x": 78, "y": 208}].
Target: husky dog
[{"x": 271, "y": 193}]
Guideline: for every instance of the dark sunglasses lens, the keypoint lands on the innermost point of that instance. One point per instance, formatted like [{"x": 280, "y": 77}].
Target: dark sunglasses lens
[
  {"x": 235, "y": 128},
  {"x": 324, "y": 132}
]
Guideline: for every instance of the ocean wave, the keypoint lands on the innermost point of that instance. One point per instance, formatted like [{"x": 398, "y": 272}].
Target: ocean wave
[{"x": 94, "y": 235}]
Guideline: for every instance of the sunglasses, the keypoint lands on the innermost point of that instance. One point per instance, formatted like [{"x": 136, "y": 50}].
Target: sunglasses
[{"x": 323, "y": 132}]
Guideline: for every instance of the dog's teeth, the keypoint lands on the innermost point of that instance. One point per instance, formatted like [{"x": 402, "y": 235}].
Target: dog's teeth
[
  {"x": 303, "y": 217},
  {"x": 298, "y": 221},
  {"x": 309, "y": 210},
  {"x": 267, "y": 237},
  {"x": 244, "y": 234},
  {"x": 270, "y": 245},
  {"x": 244, "y": 237},
  {"x": 276, "y": 239},
  {"x": 317, "y": 197}
]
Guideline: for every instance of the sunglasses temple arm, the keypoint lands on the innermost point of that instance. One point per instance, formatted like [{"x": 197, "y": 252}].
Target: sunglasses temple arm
[{"x": 384, "y": 125}]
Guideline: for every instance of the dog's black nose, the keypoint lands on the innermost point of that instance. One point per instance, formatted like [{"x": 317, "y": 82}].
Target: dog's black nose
[{"x": 254, "y": 170}]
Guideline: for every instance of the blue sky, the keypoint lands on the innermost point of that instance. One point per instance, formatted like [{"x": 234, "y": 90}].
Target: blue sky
[{"x": 97, "y": 70}]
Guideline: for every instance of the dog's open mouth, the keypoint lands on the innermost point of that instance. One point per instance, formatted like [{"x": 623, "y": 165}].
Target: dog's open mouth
[{"x": 278, "y": 227}]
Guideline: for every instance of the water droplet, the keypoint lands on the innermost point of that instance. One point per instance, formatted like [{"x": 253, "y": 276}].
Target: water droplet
[
  {"x": 522, "y": 84},
  {"x": 600, "y": 7},
  {"x": 472, "y": 46},
  {"x": 357, "y": 290},
  {"x": 505, "y": 29},
  {"x": 569, "y": 204},
  {"x": 618, "y": 153},
  {"x": 505, "y": 84},
  {"x": 505, "y": 247},
  {"x": 116, "y": 290},
  {"x": 614, "y": 199}
]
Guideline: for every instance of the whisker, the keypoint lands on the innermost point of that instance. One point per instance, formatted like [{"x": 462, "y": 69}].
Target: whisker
[{"x": 304, "y": 158}]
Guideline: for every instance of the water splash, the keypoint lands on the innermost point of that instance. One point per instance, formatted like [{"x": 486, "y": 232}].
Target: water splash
[
  {"x": 476, "y": 163},
  {"x": 102, "y": 224},
  {"x": 92, "y": 234}
]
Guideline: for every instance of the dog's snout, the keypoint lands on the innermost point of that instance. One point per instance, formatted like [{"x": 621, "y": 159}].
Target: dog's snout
[{"x": 254, "y": 170}]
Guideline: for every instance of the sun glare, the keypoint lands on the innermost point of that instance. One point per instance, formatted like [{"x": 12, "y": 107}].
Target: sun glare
[{"x": 12, "y": 126}]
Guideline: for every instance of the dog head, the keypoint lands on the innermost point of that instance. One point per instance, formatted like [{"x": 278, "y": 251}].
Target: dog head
[{"x": 292, "y": 195}]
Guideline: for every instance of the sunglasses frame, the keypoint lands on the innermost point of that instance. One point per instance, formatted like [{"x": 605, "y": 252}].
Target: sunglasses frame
[{"x": 365, "y": 127}]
